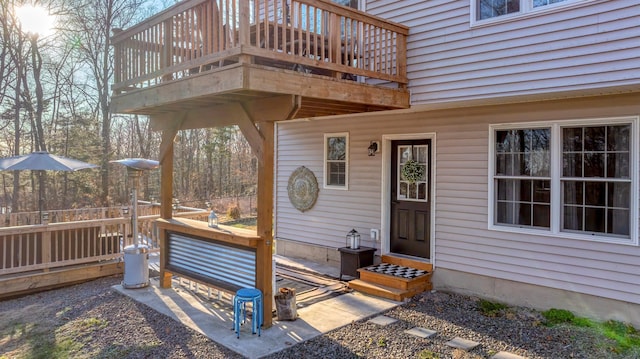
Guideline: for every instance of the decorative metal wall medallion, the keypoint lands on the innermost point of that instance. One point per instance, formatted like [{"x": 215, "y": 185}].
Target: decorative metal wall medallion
[{"x": 302, "y": 189}]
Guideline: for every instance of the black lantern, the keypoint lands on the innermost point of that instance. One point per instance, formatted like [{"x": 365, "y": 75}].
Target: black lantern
[{"x": 353, "y": 239}]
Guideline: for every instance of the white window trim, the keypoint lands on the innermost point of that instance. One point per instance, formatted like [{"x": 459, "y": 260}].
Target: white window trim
[
  {"x": 526, "y": 11},
  {"x": 556, "y": 170},
  {"x": 346, "y": 165}
]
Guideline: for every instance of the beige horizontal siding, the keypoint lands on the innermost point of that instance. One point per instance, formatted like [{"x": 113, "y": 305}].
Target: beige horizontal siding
[
  {"x": 462, "y": 240},
  {"x": 580, "y": 48}
]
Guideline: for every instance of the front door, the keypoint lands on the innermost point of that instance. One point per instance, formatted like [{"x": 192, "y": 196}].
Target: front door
[{"x": 410, "y": 198}]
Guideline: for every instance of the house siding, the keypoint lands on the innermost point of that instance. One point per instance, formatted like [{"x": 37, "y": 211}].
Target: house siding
[
  {"x": 336, "y": 211},
  {"x": 576, "y": 49},
  {"x": 463, "y": 242}
]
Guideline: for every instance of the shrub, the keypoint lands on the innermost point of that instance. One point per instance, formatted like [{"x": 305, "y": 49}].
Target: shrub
[
  {"x": 490, "y": 309},
  {"x": 233, "y": 212},
  {"x": 558, "y": 316}
]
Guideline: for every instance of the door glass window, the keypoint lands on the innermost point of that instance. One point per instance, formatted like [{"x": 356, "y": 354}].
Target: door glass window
[{"x": 413, "y": 173}]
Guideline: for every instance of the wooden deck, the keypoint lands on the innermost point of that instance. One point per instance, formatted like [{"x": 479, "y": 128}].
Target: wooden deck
[
  {"x": 205, "y": 54},
  {"x": 42, "y": 256},
  {"x": 251, "y": 63}
]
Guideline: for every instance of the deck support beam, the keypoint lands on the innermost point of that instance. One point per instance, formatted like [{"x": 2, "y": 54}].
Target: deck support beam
[
  {"x": 256, "y": 119},
  {"x": 166, "y": 189}
]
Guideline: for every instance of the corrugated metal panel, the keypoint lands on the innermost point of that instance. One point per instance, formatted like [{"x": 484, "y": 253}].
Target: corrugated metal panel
[
  {"x": 218, "y": 262},
  {"x": 575, "y": 49}
]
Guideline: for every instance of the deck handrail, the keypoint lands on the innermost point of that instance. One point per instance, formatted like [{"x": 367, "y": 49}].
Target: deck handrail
[
  {"x": 200, "y": 35},
  {"x": 46, "y": 246}
]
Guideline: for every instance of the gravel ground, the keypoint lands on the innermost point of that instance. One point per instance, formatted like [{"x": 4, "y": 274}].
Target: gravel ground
[{"x": 105, "y": 324}]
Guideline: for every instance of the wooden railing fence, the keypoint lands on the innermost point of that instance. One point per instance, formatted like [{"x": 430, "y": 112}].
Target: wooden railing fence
[
  {"x": 71, "y": 215},
  {"x": 197, "y": 35},
  {"x": 55, "y": 245}
]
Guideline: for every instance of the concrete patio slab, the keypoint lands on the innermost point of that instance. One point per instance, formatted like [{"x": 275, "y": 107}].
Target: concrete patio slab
[
  {"x": 383, "y": 320},
  {"x": 463, "y": 344},
  {"x": 506, "y": 355},
  {"x": 423, "y": 333},
  {"x": 214, "y": 318}
]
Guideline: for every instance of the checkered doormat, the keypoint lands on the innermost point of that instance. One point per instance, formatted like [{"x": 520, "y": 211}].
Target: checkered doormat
[{"x": 396, "y": 270}]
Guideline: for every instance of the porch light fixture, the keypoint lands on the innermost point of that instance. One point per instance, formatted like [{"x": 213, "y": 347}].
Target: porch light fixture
[
  {"x": 373, "y": 148},
  {"x": 213, "y": 220}
]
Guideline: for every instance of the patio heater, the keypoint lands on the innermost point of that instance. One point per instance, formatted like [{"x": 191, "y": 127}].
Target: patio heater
[{"x": 136, "y": 255}]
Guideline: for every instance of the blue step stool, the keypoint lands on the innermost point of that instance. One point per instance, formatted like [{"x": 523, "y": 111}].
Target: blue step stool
[{"x": 242, "y": 297}]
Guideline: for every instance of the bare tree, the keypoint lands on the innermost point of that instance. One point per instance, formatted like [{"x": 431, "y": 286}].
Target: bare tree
[{"x": 94, "y": 21}]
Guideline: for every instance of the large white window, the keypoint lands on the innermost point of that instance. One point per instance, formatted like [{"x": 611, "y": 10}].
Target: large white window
[
  {"x": 486, "y": 10},
  {"x": 336, "y": 160},
  {"x": 574, "y": 179}
]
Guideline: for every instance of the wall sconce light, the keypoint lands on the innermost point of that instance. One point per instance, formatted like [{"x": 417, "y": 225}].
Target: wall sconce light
[{"x": 374, "y": 147}]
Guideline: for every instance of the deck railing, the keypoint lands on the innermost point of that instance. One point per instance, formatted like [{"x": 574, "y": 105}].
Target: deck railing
[
  {"x": 306, "y": 35},
  {"x": 47, "y": 246},
  {"x": 70, "y": 215}
]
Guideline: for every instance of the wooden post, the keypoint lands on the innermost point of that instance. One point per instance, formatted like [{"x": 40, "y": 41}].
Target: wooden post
[
  {"x": 46, "y": 248},
  {"x": 401, "y": 58},
  {"x": 244, "y": 36},
  {"x": 167, "y": 50},
  {"x": 264, "y": 255},
  {"x": 166, "y": 195}
]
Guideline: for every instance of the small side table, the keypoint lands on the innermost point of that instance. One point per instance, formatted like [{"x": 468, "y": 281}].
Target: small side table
[{"x": 352, "y": 259}]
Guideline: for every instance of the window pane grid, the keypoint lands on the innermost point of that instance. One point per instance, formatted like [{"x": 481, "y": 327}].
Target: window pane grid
[
  {"x": 596, "y": 184},
  {"x": 336, "y": 148},
  {"x": 596, "y": 207},
  {"x": 523, "y": 152},
  {"x": 487, "y": 9},
  {"x": 523, "y": 202},
  {"x": 416, "y": 190}
]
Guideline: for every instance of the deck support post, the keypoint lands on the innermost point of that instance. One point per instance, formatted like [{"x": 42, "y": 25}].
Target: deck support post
[
  {"x": 264, "y": 255},
  {"x": 166, "y": 192}
]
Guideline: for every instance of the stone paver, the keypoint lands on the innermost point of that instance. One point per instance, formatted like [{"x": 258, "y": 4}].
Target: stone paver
[
  {"x": 463, "y": 344},
  {"x": 422, "y": 332},
  {"x": 506, "y": 355},
  {"x": 383, "y": 320}
]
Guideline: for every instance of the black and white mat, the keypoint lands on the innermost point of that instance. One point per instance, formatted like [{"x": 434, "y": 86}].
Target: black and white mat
[{"x": 396, "y": 270}]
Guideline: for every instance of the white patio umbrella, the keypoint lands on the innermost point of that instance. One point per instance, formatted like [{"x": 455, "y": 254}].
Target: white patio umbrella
[{"x": 42, "y": 161}]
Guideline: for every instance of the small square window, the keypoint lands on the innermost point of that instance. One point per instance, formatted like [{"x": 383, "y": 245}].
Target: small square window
[{"x": 336, "y": 164}]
